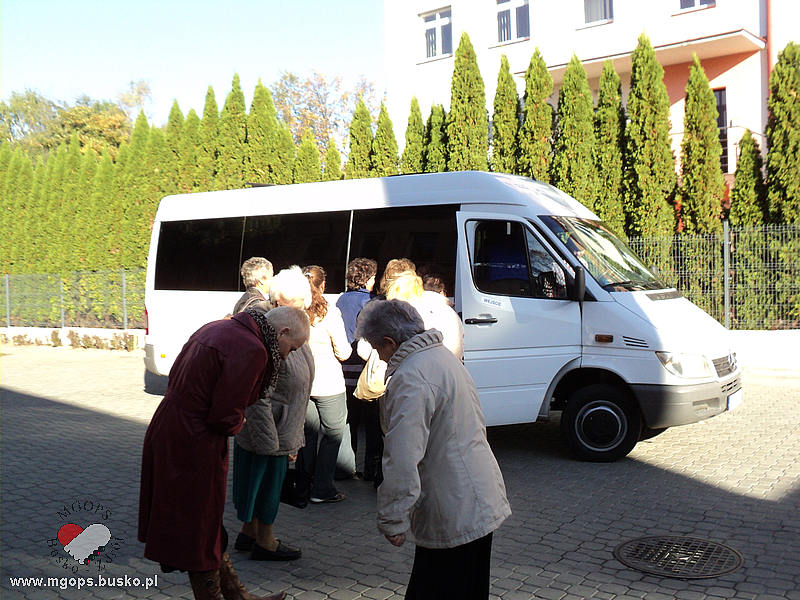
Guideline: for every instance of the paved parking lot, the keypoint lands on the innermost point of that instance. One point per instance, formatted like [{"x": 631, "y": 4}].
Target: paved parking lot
[{"x": 71, "y": 430}]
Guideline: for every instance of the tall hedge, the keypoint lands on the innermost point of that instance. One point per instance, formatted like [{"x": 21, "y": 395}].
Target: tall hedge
[
  {"x": 358, "y": 164},
  {"x": 467, "y": 121},
  {"x": 307, "y": 165},
  {"x": 411, "y": 160},
  {"x": 783, "y": 137},
  {"x": 207, "y": 149},
  {"x": 434, "y": 154},
  {"x": 609, "y": 131},
  {"x": 573, "y": 139},
  {"x": 534, "y": 151},
  {"x": 702, "y": 184},
  {"x": 505, "y": 121},
  {"x": 748, "y": 196},
  {"x": 231, "y": 137},
  {"x": 383, "y": 159},
  {"x": 333, "y": 163},
  {"x": 262, "y": 137},
  {"x": 650, "y": 178}
]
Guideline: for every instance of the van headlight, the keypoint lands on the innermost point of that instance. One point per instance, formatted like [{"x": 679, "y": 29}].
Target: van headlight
[{"x": 689, "y": 366}]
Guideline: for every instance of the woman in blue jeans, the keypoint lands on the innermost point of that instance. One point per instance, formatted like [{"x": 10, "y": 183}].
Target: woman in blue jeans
[{"x": 326, "y": 416}]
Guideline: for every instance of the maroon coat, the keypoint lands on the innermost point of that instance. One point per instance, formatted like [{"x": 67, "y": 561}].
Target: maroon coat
[{"x": 219, "y": 372}]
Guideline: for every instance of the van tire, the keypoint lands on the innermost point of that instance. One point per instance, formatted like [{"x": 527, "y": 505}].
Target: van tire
[{"x": 600, "y": 423}]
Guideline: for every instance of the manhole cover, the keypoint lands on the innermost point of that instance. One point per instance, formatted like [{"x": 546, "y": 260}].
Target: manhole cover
[{"x": 678, "y": 556}]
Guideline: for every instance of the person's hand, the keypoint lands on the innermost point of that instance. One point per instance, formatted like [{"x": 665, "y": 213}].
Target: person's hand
[
  {"x": 397, "y": 540},
  {"x": 292, "y": 457}
]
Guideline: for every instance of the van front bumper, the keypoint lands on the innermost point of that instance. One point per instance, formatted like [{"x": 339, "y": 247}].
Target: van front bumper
[{"x": 670, "y": 405}]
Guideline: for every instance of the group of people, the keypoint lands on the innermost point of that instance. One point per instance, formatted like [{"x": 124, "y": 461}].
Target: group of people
[{"x": 286, "y": 374}]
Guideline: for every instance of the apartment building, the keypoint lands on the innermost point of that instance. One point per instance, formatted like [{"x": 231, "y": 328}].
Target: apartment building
[{"x": 737, "y": 42}]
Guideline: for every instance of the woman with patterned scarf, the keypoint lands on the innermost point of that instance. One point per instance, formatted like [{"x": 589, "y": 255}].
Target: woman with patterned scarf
[{"x": 223, "y": 368}]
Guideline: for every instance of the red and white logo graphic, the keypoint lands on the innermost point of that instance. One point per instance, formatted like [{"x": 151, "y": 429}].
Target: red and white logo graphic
[{"x": 84, "y": 544}]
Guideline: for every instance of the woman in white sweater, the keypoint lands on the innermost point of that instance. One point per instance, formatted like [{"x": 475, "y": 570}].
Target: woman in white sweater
[{"x": 327, "y": 412}]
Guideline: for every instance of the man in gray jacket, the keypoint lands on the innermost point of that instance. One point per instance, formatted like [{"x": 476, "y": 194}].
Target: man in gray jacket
[{"x": 441, "y": 481}]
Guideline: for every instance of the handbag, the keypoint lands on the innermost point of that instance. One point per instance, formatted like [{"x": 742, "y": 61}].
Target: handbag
[
  {"x": 371, "y": 382},
  {"x": 296, "y": 488}
]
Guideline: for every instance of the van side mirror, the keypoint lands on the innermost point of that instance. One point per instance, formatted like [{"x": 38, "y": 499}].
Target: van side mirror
[{"x": 577, "y": 288}]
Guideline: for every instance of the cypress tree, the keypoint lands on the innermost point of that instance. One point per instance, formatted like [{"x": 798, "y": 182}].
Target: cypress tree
[
  {"x": 307, "y": 165},
  {"x": 609, "y": 128},
  {"x": 533, "y": 137},
  {"x": 283, "y": 165},
  {"x": 649, "y": 166},
  {"x": 36, "y": 240},
  {"x": 783, "y": 137},
  {"x": 116, "y": 207},
  {"x": 702, "y": 184},
  {"x": 134, "y": 197},
  {"x": 467, "y": 121},
  {"x": 175, "y": 130},
  {"x": 383, "y": 159},
  {"x": 434, "y": 154},
  {"x": 333, "y": 163},
  {"x": 231, "y": 139},
  {"x": 573, "y": 140},
  {"x": 16, "y": 210},
  {"x": 83, "y": 229},
  {"x": 262, "y": 134},
  {"x": 748, "y": 196},
  {"x": 358, "y": 164},
  {"x": 188, "y": 153},
  {"x": 5, "y": 158},
  {"x": 411, "y": 161},
  {"x": 68, "y": 206},
  {"x": 101, "y": 214},
  {"x": 505, "y": 122},
  {"x": 207, "y": 149},
  {"x": 53, "y": 224}
]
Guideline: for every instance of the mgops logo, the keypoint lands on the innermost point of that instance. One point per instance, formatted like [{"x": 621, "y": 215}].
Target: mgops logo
[{"x": 84, "y": 542}]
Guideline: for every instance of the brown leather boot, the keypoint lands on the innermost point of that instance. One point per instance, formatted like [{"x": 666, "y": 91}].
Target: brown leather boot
[
  {"x": 232, "y": 588},
  {"x": 205, "y": 585}
]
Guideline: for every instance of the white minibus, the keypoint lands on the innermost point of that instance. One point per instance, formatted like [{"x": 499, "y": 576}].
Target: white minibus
[{"x": 559, "y": 314}]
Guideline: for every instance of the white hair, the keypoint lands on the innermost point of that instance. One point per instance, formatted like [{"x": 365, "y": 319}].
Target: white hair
[{"x": 290, "y": 286}]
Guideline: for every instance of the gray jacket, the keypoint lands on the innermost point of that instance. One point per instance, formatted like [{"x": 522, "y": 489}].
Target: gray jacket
[
  {"x": 274, "y": 425},
  {"x": 441, "y": 479}
]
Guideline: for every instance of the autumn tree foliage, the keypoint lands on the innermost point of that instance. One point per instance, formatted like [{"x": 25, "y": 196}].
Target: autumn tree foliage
[{"x": 534, "y": 151}]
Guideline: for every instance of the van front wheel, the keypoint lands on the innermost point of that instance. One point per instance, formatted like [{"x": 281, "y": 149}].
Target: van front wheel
[{"x": 600, "y": 423}]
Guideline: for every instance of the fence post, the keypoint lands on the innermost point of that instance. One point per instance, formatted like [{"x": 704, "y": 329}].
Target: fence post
[
  {"x": 726, "y": 252},
  {"x": 61, "y": 299},
  {"x": 124, "y": 303},
  {"x": 8, "y": 301}
]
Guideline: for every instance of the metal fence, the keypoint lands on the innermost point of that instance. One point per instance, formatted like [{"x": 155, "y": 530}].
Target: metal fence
[
  {"x": 108, "y": 299},
  {"x": 746, "y": 278}
]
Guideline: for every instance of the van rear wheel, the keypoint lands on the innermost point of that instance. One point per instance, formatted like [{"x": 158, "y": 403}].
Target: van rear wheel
[{"x": 600, "y": 423}]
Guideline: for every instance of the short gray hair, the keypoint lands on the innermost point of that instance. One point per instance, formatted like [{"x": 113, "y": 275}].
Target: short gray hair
[
  {"x": 290, "y": 285},
  {"x": 256, "y": 270},
  {"x": 293, "y": 319},
  {"x": 394, "y": 319}
]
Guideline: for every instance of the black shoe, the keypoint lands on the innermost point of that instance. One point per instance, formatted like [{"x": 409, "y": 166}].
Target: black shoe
[
  {"x": 282, "y": 552},
  {"x": 244, "y": 542}
]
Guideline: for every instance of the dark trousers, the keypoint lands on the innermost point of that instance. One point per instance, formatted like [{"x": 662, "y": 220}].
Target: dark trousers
[
  {"x": 361, "y": 412},
  {"x": 460, "y": 573}
]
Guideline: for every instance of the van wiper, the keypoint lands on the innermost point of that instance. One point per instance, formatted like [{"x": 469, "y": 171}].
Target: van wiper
[{"x": 621, "y": 286}]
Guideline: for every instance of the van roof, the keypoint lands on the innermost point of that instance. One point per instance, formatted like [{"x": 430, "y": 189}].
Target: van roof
[{"x": 460, "y": 187}]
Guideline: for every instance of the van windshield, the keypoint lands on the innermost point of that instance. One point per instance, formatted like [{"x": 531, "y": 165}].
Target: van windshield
[{"x": 606, "y": 257}]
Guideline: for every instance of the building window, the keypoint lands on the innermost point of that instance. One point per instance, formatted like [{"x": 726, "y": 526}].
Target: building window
[
  {"x": 438, "y": 33},
  {"x": 687, "y": 4},
  {"x": 598, "y": 10},
  {"x": 513, "y": 20},
  {"x": 722, "y": 125}
]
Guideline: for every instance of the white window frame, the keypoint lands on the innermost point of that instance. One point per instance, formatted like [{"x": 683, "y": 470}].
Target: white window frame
[
  {"x": 512, "y": 6},
  {"x": 433, "y": 22},
  {"x": 608, "y": 18}
]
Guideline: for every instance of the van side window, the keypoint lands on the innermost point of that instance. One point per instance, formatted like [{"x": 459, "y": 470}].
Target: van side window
[{"x": 509, "y": 260}]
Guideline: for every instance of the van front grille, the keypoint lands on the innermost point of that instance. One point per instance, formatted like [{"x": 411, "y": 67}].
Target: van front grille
[{"x": 725, "y": 365}]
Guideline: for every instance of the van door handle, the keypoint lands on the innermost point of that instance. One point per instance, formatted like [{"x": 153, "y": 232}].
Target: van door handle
[{"x": 480, "y": 321}]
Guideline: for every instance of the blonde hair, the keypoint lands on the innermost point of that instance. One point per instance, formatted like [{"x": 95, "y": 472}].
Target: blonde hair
[
  {"x": 405, "y": 286},
  {"x": 290, "y": 286},
  {"x": 393, "y": 268}
]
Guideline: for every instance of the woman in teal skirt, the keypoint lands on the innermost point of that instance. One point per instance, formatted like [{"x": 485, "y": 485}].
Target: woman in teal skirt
[{"x": 271, "y": 436}]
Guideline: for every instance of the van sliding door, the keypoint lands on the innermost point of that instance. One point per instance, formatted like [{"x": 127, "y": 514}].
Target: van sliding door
[{"x": 519, "y": 327}]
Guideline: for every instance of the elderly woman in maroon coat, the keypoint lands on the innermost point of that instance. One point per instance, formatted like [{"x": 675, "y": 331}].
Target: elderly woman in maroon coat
[{"x": 222, "y": 369}]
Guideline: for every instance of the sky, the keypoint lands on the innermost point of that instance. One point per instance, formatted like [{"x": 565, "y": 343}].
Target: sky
[{"x": 64, "y": 49}]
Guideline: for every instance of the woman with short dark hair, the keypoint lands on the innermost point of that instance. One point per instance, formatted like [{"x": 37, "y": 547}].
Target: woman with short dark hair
[{"x": 441, "y": 481}]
